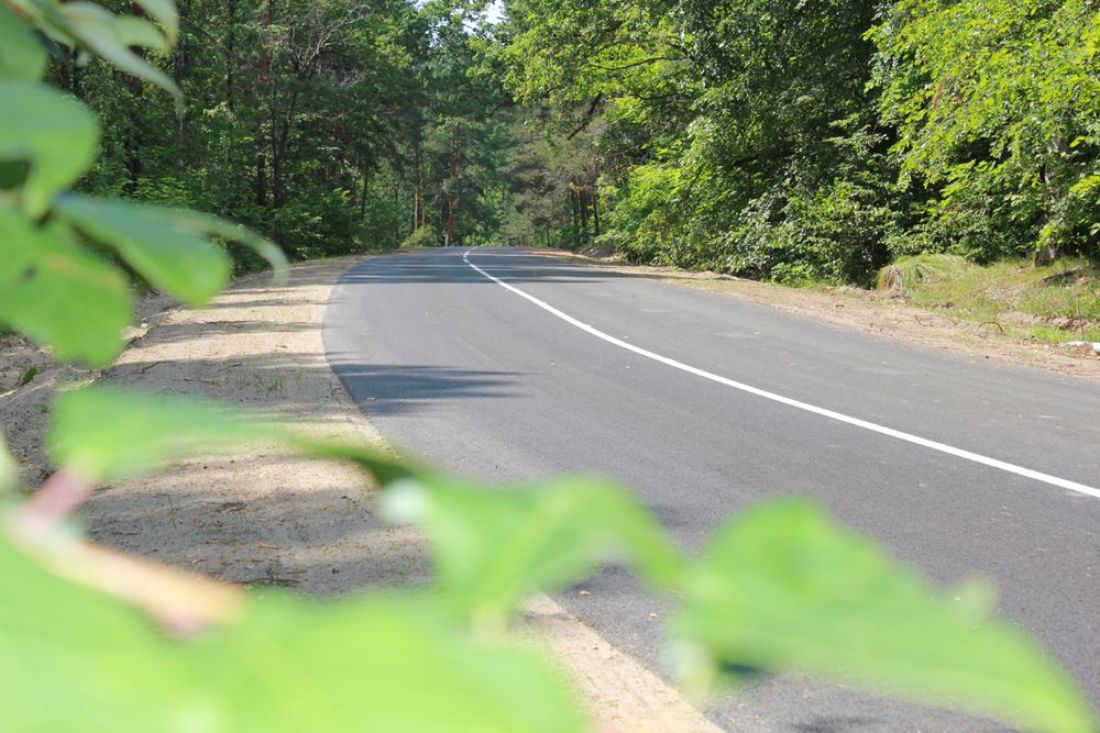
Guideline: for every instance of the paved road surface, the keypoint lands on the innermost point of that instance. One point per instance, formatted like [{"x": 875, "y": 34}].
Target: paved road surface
[{"x": 454, "y": 367}]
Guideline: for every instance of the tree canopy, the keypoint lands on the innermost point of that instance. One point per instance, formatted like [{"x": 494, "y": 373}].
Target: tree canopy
[{"x": 768, "y": 138}]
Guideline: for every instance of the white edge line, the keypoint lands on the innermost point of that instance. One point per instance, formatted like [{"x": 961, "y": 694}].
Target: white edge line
[{"x": 797, "y": 404}]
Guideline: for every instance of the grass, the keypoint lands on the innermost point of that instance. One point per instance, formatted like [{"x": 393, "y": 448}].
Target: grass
[{"x": 1052, "y": 304}]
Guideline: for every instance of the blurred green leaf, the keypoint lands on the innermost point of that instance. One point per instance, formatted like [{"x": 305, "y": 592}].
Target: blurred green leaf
[
  {"x": 74, "y": 660},
  {"x": 110, "y": 37},
  {"x": 54, "y": 132},
  {"x": 171, "y": 248},
  {"x": 493, "y": 548},
  {"x": 783, "y": 588},
  {"x": 9, "y": 472},
  {"x": 58, "y": 294},
  {"x": 105, "y": 433},
  {"x": 22, "y": 57},
  {"x": 165, "y": 13},
  {"x": 91, "y": 27},
  {"x": 139, "y": 32},
  {"x": 383, "y": 468}
]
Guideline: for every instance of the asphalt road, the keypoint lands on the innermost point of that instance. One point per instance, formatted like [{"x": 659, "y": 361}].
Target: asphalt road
[{"x": 479, "y": 380}]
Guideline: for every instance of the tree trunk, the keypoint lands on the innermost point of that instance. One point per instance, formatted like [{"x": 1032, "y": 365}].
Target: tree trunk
[
  {"x": 135, "y": 137},
  {"x": 181, "y": 65},
  {"x": 366, "y": 189},
  {"x": 418, "y": 184},
  {"x": 596, "y": 211},
  {"x": 230, "y": 54},
  {"x": 264, "y": 75},
  {"x": 449, "y": 237},
  {"x": 574, "y": 215},
  {"x": 75, "y": 73},
  {"x": 1053, "y": 194},
  {"x": 278, "y": 177},
  {"x": 582, "y": 196}
]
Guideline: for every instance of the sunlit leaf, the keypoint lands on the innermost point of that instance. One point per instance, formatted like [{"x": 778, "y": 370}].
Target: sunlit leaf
[
  {"x": 165, "y": 13},
  {"x": 138, "y": 32},
  {"x": 110, "y": 37},
  {"x": 493, "y": 548},
  {"x": 105, "y": 433},
  {"x": 51, "y": 130},
  {"x": 9, "y": 472},
  {"x": 385, "y": 469},
  {"x": 22, "y": 56},
  {"x": 785, "y": 589},
  {"x": 73, "y": 660},
  {"x": 170, "y": 247},
  {"x": 56, "y": 293}
]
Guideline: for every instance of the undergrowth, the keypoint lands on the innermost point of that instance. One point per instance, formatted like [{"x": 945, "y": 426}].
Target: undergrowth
[{"x": 1056, "y": 303}]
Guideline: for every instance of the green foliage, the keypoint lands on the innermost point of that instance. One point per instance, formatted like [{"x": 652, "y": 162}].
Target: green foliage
[
  {"x": 28, "y": 376},
  {"x": 75, "y": 660},
  {"x": 908, "y": 272},
  {"x": 48, "y": 273},
  {"x": 88, "y": 27},
  {"x": 791, "y": 140},
  {"x": 53, "y": 133},
  {"x": 22, "y": 56},
  {"x": 147, "y": 431},
  {"x": 422, "y": 236},
  {"x": 997, "y": 106},
  {"x": 784, "y": 588},
  {"x": 1053, "y": 303},
  {"x": 326, "y": 126},
  {"x": 492, "y": 550},
  {"x": 46, "y": 278},
  {"x": 781, "y": 589}
]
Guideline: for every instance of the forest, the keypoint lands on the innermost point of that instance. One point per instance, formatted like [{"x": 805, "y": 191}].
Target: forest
[{"x": 773, "y": 139}]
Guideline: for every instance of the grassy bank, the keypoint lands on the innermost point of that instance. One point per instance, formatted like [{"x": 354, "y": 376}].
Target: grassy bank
[{"x": 1055, "y": 304}]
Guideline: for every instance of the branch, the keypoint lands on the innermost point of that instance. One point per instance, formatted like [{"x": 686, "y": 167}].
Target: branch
[{"x": 588, "y": 116}]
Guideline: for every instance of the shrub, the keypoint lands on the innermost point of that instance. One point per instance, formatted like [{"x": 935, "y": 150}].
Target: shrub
[{"x": 422, "y": 236}]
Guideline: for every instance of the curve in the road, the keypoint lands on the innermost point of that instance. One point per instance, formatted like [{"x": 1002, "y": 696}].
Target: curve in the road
[{"x": 950, "y": 450}]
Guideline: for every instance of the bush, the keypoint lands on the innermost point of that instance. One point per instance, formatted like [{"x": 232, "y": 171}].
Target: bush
[
  {"x": 908, "y": 272},
  {"x": 422, "y": 236}
]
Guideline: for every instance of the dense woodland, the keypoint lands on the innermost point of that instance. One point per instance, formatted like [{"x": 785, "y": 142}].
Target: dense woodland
[{"x": 777, "y": 139}]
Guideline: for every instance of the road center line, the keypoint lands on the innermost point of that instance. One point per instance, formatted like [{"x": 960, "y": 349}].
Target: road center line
[{"x": 797, "y": 404}]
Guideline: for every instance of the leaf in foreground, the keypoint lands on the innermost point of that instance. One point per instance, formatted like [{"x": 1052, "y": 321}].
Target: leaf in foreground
[
  {"x": 58, "y": 294},
  {"x": 52, "y": 131},
  {"x": 113, "y": 38},
  {"x": 22, "y": 56},
  {"x": 493, "y": 548},
  {"x": 171, "y": 248},
  {"x": 74, "y": 660},
  {"x": 785, "y": 589},
  {"x": 104, "y": 433}
]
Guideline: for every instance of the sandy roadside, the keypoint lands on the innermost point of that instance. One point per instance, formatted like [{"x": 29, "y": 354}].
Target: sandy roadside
[
  {"x": 269, "y": 519},
  {"x": 865, "y": 311}
]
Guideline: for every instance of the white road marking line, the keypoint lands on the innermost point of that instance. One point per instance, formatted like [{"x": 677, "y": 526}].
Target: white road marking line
[{"x": 797, "y": 404}]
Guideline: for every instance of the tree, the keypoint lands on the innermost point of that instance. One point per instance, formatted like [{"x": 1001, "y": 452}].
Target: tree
[{"x": 997, "y": 106}]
